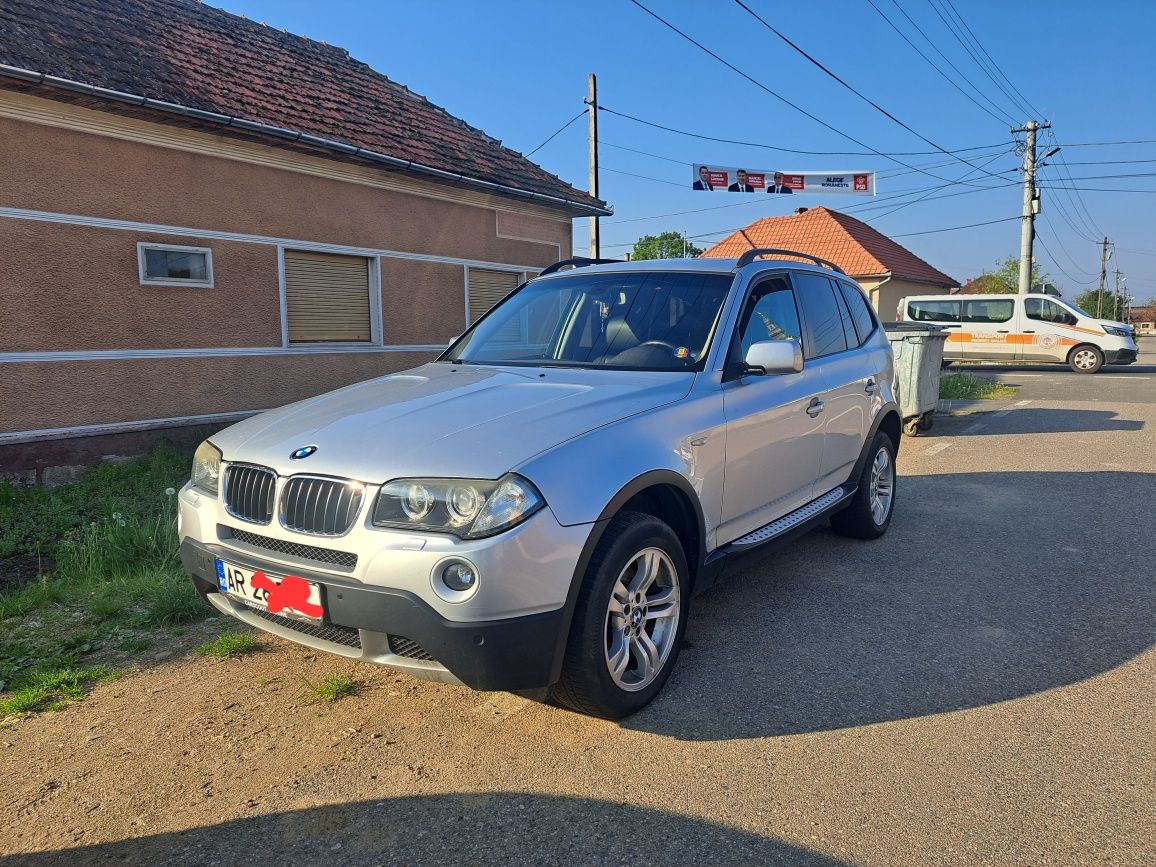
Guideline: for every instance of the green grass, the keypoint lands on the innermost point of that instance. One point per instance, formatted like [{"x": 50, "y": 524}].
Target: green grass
[
  {"x": 107, "y": 551},
  {"x": 964, "y": 386},
  {"x": 331, "y": 689},
  {"x": 227, "y": 645},
  {"x": 50, "y": 690}
]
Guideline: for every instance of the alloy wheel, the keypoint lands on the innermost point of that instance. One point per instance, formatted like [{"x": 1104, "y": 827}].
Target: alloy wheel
[
  {"x": 642, "y": 619},
  {"x": 882, "y": 486}
]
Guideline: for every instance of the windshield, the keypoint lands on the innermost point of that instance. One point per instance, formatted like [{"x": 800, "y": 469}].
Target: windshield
[
  {"x": 1075, "y": 309},
  {"x": 634, "y": 321}
]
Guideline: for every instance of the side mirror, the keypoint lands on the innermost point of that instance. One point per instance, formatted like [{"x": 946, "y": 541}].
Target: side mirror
[{"x": 774, "y": 356}]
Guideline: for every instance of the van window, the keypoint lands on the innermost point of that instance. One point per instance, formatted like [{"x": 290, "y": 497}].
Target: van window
[
  {"x": 933, "y": 311},
  {"x": 1043, "y": 310},
  {"x": 824, "y": 322},
  {"x": 994, "y": 310}
]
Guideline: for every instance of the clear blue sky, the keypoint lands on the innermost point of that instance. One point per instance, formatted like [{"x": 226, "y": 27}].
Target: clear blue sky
[{"x": 518, "y": 71}]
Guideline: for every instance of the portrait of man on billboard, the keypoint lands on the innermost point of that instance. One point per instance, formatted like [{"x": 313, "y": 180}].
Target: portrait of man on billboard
[
  {"x": 779, "y": 185},
  {"x": 703, "y": 182},
  {"x": 741, "y": 185}
]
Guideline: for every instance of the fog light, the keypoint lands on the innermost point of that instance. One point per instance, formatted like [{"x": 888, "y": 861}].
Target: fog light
[{"x": 459, "y": 576}]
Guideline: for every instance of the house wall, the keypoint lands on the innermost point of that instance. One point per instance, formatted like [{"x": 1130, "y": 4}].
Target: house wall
[
  {"x": 885, "y": 294},
  {"x": 86, "y": 349}
]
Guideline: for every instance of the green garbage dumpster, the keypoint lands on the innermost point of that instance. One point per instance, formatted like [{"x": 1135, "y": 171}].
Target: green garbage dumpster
[{"x": 918, "y": 349}]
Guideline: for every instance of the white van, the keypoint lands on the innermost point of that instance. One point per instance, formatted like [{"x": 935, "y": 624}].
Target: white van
[{"x": 1029, "y": 327}]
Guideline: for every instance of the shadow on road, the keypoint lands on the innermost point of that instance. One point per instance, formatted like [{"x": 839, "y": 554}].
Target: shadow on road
[
  {"x": 498, "y": 828},
  {"x": 988, "y": 587},
  {"x": 1037, "y": 421},
  {"x": 1141, "y": 368}
]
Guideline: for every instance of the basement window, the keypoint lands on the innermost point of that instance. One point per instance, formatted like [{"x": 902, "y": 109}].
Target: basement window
[{"x": 171, "y": 265}]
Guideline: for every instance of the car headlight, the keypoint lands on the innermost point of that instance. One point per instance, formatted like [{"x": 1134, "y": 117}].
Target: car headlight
[
  {"x": 1118, "y": 332},
  {"x": 206, "y": 473},
  {"x": 468, "y": 508}
]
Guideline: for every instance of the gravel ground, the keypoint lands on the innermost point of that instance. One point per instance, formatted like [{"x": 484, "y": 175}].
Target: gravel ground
[{"x": 977, "y": 687}]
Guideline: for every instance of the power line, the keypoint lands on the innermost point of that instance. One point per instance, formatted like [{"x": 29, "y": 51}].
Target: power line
[
  {"x": 765, "y": 146},
  {"x": 975, "y": 39},
  {"x": 603, "y": 141},
  {"x": 582, "y": 113},
  {"x": 1063, "y": 250},
  {"x": 947, "y": 59},
  {"x": 773, "y": 93},
  {"x": 1101, "y": 190},
  {"x": 854, "y": 90},
  {"x": 929, "y": 192},
  {"x": 1004, "y": 119},
  {"x": 644, "y": 177},
  {"x": 954, "y": 228},
  {"x": 953, "y": 30},
  {"x": 1060, "y": 267}
]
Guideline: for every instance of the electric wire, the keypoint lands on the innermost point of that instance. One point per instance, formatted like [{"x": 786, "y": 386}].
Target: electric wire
[
  {"x": 560, "y": 130},
  {"x": 947, "y": 60},
  {"x": 953, "y": 30},
  {"x": 1006, "y": 118},
  {"x": 975, "y": 39},
  {"x": 775, "y": 94},
  {"x": 765, "y": 146},
  {"x": 849, "y": 87}
]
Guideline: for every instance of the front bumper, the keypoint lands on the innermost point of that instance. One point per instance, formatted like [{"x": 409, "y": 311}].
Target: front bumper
[
  {"x": 1120, "y": 356},
  {"x": 396, "y": 628}
]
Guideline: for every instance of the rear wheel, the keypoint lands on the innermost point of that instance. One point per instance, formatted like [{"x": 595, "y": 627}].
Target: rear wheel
[
  {"x": 869, "y": 514},
  {"x": 1086, "y": 359},
  {"x": 629, "y": 620}
]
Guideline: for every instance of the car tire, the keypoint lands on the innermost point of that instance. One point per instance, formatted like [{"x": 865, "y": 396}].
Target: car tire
[
  {"x": 1086, "y": 358},
  {"x": 630, "y": 615},
  {"x": 869, "y": 514}
]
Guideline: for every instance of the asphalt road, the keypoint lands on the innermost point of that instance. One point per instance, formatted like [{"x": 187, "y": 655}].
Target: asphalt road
[{"x": 978, "y": 687}]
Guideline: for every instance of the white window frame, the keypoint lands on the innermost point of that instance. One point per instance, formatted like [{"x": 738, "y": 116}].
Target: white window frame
[{"x": 173, "y": 281}]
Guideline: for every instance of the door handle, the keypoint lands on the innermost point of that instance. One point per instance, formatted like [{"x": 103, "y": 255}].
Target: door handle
[
  {"x": 1029, "y": 331},
  {"x": 871, "y": 387},
  {"x": 815, "y": 407},
  {"x": 1003, "y": 331}
]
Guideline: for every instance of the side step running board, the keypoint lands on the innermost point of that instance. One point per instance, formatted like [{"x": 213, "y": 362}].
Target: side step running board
[{"x": 788, "y": 522}]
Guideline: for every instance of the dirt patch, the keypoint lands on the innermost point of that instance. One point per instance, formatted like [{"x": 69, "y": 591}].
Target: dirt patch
[{"x": 21, "y": 569}]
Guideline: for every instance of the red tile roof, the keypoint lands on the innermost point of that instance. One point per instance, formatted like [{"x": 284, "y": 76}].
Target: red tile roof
[
  {"x": 193, "y": 55},
  {"x": 852, "y": 245}
]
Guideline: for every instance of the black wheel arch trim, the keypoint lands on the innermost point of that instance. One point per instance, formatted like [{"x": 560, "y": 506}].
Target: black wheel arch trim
[
  {"x": 889, "y": 409},
  {"x": 651, "y": 479}
]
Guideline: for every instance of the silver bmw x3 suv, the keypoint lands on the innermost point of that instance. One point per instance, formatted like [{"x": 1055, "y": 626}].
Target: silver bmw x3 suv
[{"x": 534, "y": 510}]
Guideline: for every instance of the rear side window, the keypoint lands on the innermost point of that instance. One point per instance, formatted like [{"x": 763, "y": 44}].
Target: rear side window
[
  {"x": 1000, "y": 310},
  {"x": 824, "y": 321},
  {"x": 933, "y": 311},
  {"x": 860, "y": 310},
  {"x": 848, "y": 325}
]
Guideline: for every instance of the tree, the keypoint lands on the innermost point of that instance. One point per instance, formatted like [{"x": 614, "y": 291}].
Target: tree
[
  {"x": 1004, "y": 279},
  {"x": 1111, "y": 307},
  {"x": 668, "y": 245}
]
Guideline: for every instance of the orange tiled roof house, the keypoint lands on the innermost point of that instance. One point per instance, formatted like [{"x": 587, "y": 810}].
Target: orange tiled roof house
[{"x": 885, "y": 270}]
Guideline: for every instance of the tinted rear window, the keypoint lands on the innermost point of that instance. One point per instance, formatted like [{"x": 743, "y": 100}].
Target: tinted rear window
[
  {"x": 824, "y": 322},
  {"x": 860, "y": 310},
  {"x": 933, "y": 311}
]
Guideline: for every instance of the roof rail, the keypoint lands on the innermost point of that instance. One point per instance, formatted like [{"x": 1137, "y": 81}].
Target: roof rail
[
  {"x": 750, "y": 256},
  {"x": 577, "y": 263}
]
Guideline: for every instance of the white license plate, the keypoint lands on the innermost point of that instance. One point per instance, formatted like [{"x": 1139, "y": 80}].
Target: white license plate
[{"x": 287, "y": 595}]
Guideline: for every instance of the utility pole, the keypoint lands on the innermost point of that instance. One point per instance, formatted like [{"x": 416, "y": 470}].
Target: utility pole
[
  {"x": 592, "y": 101},
  {"x": 1103, "y": 278},
  {"x": 1031, "y": 204}
]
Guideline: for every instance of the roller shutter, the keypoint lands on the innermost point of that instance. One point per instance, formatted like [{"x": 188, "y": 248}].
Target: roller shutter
[
  {"x": 327, "y": 298},
  {"x": 487, "y": 288}
]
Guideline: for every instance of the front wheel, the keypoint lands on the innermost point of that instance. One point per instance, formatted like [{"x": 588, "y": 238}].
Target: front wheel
[
  {"x": 869, "y": 514},
  {"x": 1086, "y": 359},
  {"x": 629, "y": 620}
]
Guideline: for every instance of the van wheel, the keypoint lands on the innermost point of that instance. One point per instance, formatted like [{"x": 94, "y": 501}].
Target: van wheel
[
  {"x": 1086, "y": 359},
  {"x": 869, "y": 514},
  {"x": 629, "y": 620}
]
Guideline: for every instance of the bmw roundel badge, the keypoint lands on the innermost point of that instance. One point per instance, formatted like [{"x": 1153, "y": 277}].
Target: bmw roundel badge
[{"x": 303, "y": 452}]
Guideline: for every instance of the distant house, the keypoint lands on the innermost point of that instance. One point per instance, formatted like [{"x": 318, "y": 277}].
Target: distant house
[
  {"x": 202, "y": 216},
  {"x": 1143, "y": 319},
  {"x": 885, "y": 270}
]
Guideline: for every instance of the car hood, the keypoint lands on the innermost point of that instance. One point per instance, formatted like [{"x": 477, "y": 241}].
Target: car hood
[
  {"x": 445, "y": 420},
  {"x": 1114, "y": 324}
]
